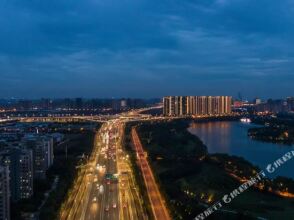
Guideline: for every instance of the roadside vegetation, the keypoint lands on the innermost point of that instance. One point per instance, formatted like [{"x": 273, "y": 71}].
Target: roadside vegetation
[{"x": 128, "y": 147}]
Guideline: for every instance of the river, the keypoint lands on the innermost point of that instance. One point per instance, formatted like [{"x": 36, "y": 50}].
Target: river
[{"x": 231, "y": 138}]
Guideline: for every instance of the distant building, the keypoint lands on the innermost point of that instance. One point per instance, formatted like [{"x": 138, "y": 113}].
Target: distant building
[
  {"x": 115, "y": 105},
  {"x": 25, "y": 105},
  {"x": 257, "y": 101},
  {"x": 79, "y": 103},
  {"x": 136, "y": 103},
  {"x": 273, "y": 106},
  {"x": 20, "y": 163},
  {"x": 123, "y": 104},
  {"x": 290, "y": 103},
  {"x": 239, "y": 104},
  {"x": 4, "y": 193},
  {"x": 196, "y": 105},
  {"x": 166, "y": 104}
]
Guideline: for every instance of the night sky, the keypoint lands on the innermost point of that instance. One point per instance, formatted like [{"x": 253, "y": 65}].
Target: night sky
[{"x": 146, "y": 48}]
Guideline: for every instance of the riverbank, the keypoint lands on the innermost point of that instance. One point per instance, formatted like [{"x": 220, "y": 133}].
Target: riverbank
[
  {"x": 279, "y": 135},
  {"x": 274, "y": 130},
  {"x": 192, "y": 179},
  {"x": 231, "y": 138}
]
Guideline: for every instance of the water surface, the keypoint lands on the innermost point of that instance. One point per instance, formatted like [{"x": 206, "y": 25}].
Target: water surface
[{"x": 231, "y": 138}]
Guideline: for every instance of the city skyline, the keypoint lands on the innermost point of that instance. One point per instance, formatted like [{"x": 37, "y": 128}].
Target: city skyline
[
  {"x": 146, "y": 49},
  {"x": 238, "y": 97}
]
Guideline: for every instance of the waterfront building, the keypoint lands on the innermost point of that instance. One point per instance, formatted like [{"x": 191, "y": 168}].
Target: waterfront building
[
  {"x": 166, "y": 101},
  {"x": 196, "y": 105}
]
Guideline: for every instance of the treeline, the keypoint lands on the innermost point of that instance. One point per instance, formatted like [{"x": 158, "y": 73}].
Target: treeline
[
  {"x": 165, "y": 141},
  {"x": 281, "y": 135},
  {"x": 275, "y": 130}
]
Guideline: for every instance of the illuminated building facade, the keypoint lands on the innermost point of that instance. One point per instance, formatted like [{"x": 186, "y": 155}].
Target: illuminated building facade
[
  {"x": 20, "y": 163},
  {"x": 196, "y": 105},
  {"x": 42, "y": 147}
]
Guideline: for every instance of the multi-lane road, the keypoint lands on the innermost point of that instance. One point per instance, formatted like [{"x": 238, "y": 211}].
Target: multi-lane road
[
  {"x": 102, "y": 199},
  {"x": 105, "y": 188}
]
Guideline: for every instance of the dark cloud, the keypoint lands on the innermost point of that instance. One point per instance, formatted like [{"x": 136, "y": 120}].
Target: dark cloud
[{"x": 146, "y": 48}]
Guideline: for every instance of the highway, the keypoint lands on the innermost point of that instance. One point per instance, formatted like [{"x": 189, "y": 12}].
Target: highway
[
  {"x": 105, "y": 188},
  {"x": 156, "y": 200},
  {"x": 102, "y": 198}
]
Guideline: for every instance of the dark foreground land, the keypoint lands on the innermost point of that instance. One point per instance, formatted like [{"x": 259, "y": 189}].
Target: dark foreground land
[{"x": 192, "y": 180}]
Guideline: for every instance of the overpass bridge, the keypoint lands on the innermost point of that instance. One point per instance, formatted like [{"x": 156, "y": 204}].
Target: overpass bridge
[
  {"x": 62, "y": 119},
  {"x": 134, "y": 115}
]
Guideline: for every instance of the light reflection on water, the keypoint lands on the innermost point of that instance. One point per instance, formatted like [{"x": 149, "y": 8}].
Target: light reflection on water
[{"x": 231, "y": 138}]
